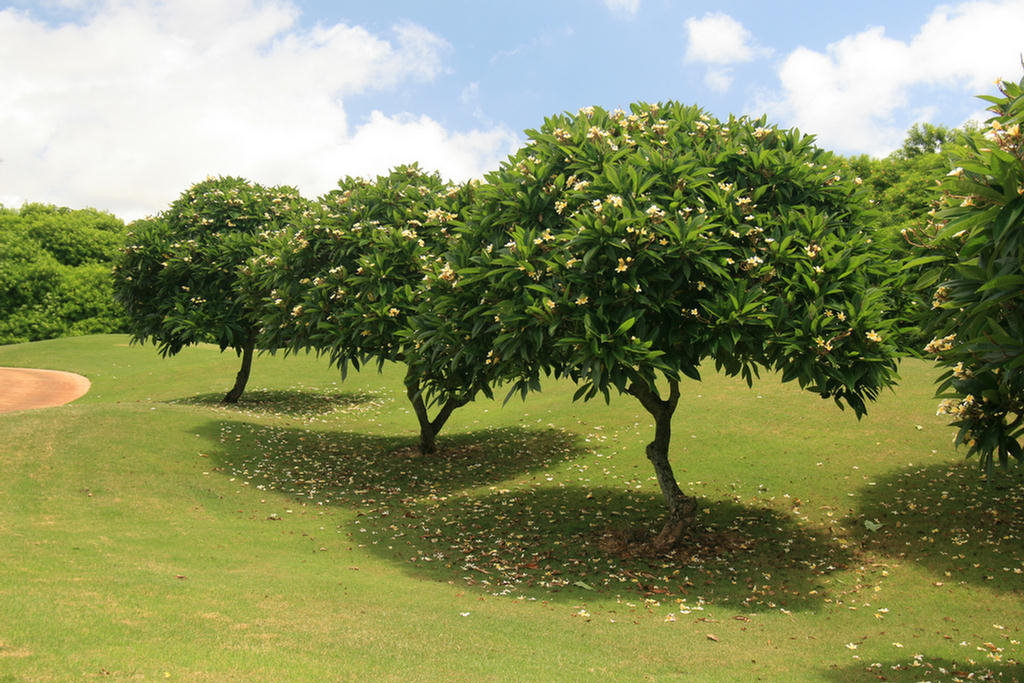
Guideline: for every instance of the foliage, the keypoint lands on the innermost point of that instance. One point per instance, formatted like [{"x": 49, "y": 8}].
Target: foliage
[
  {"x": 55, "y": 272},
  {"x": 348, "y": 281},
  {"x": 924, "y": 139},
  {"x": 904, "y": 186},
  {"x": 178, "y": 277},
  {"x": 904, "y": 190},
  {"x": 639, "y": 245},
  {"x": 977, "y": 285},
  {"x": 617, "y": 249}
]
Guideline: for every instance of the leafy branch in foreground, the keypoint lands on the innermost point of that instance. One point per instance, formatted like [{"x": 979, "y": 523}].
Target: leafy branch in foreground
[{"x": 976, "y": 283}]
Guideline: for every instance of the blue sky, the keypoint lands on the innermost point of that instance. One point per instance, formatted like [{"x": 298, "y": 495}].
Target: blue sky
[
  {"x": 536, "y": 59},
  {"x": 121, "y": 104}
]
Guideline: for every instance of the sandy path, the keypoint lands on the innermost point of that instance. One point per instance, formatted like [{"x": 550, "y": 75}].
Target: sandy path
[{"x": 25, "y": 388}]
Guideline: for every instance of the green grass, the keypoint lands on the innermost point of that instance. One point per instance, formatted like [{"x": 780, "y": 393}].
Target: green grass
[{"x": 149, "y": 534}]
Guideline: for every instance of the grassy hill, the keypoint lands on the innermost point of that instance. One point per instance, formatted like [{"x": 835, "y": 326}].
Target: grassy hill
[{"x": 148, "y": 533}]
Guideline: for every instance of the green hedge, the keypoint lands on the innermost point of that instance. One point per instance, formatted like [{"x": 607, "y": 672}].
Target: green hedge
[{"x": 55, "y": 276}]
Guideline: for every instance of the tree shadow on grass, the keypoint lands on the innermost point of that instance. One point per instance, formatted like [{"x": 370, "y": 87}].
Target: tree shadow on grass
[
  {"x": 348, "y": 468},
  {"x": 948, "y": 519},
  {"x": 288, "y": 402},
  {"x": 526, "y": 534},
  {"x": 552, "y": 544},
  {"x": 936, "y": 670}
]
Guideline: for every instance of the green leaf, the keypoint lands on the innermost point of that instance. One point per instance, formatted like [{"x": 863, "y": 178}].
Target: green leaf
[{"x": 626, "y": 326}]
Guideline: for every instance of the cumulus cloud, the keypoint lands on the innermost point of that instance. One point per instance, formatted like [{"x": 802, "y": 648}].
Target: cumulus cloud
[
  {"x": 126, "y": 107},
  {"x": 627, "y": 7},
  {"x": 718, "y": 79},
  {"x": 858, "y": 94},
  {"x": 387, "y": 140},
  {"x": 718, "y": 40}
]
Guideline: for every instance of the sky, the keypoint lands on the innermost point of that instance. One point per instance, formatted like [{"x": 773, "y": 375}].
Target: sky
[{"x": 121, "y": 105}]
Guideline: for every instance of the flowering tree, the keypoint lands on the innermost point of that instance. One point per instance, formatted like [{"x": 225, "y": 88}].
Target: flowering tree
[
  {"x": 622, "y": 251},
  {"x": 177, "y": 279},
  {"x": 977, "y": 244},
  {"x": 349, "y": 281}
]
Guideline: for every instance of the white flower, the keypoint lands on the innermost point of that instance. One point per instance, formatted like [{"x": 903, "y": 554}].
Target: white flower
[
  {"x": 937, "y": 346},
  {"x": 752, "y": 262},
  {"x": 654, "y": 212}
]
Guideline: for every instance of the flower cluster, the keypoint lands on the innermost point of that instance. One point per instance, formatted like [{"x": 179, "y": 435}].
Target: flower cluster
[{"x": 939, "y": 346}]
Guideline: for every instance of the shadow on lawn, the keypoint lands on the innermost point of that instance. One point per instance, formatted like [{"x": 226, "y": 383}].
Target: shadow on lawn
[
  {"x": 288, "y": 402},
  {"x": 532, "y": 536},
  {"x": 948, "y": 519},
  {"x": 348, "y": 468},
  {"x": 927, "y": 669},
  {"x": 550, "y": 543}
]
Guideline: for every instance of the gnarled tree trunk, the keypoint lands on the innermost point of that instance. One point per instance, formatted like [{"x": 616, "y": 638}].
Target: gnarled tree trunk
[
  {"x": 429, "y": 429},
  {"x": 243, "y": 373},
  {"x": 681, "y": 508}
]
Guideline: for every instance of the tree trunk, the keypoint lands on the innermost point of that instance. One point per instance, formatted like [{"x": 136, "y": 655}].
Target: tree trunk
[
  {"x": 681, "y": 508},
  {"x": 243, "y": 374},
  {"x": 429, "y": 429}
]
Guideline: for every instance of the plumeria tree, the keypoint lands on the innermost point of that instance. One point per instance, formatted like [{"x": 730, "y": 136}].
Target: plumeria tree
[
  {"x": 178, "y": 277},
  {"x": 976, "y": 243},
  {"x": 624, "y": 250},
  {"x": 350, "y": 280}
]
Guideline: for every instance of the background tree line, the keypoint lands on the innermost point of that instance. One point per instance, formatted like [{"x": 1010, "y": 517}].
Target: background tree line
[{"x": 55, "y": 272}]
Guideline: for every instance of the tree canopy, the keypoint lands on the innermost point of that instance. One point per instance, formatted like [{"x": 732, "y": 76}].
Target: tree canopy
[
  {"x": 348, "y": 280},
  {"x": 178, "y": 277},
  {"x": 617, "y": 249}
]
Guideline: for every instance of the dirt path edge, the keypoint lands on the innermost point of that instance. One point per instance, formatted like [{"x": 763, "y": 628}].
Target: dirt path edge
[{"x": 30, "y": 388}]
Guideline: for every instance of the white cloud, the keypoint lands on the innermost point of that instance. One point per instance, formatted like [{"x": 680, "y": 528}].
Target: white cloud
[
  {"x": 386, "y": 141},
  {"x": 717, "y": 38},
  {"x": 718, "y": 79},
  {"x": 126, "y": 108},
  {"x": 857, "y": 95},
  {"x": 627, "y": 7}
]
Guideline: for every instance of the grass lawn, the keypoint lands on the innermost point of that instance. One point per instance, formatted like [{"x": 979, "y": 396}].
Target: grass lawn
[{"x": 149, "y": 534}]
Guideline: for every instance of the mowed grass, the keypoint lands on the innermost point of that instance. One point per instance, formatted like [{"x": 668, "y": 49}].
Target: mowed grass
[{"x": 149, "y": 534}]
